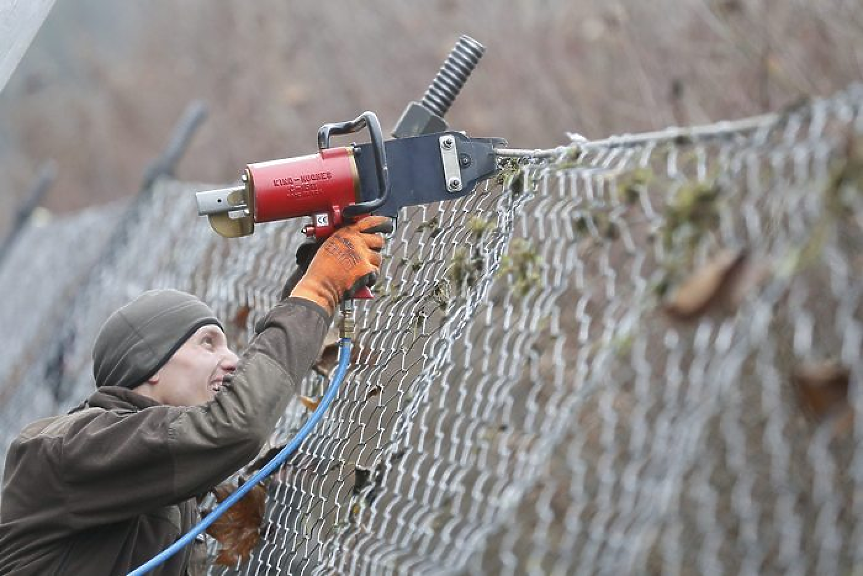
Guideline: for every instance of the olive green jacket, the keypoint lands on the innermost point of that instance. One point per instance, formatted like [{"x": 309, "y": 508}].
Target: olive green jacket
[{"x": 103, "y": 489}]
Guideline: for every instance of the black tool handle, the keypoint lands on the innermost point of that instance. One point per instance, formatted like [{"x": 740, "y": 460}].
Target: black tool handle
[{"x": 369, "y": 120}]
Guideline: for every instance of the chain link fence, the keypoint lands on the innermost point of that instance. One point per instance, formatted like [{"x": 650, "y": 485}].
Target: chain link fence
[{"x": 639, "y": 355}]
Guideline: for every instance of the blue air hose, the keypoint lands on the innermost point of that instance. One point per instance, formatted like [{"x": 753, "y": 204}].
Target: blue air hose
[{"x": 344, "y": 359}]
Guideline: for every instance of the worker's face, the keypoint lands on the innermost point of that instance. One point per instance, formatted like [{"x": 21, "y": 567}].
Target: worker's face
[{"x": 197, "y": 369}]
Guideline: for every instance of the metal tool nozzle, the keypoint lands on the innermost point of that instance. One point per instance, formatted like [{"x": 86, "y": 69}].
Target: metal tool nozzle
[{"x": 222, "y": 201}]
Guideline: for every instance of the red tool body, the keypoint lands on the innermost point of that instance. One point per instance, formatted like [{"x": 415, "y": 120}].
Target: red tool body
[
  {"x": 322, "y": 183},
  {"x": 338, "y": 185}
]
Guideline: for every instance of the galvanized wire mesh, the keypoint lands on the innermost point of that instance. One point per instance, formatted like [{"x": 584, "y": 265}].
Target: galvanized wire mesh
[
  {"x": 40, "y": 275},
  {"x": 639, "y": 356}
]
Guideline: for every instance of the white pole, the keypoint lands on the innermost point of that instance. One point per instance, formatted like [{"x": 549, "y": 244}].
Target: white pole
[{"x": 19, "y": 22}]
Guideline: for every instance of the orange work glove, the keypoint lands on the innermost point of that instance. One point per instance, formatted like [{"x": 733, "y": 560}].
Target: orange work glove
[{"x": 345, "y": 262}]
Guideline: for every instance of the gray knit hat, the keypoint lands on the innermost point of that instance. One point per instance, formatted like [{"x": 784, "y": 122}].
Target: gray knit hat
[{"x": 141, "y": 337}]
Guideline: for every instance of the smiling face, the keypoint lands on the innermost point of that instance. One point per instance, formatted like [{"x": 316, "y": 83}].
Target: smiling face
[{"x": 195, "y": 372}]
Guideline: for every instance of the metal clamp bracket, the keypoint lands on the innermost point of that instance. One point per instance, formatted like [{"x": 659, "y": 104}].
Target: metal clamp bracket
[{"x": 449, "y": 159}]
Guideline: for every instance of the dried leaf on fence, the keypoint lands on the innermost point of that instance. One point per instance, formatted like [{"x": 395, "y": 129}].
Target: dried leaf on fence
[
  {"x": 238, "y": 530},
  {"x": 706, "y": 286},
  {"x": 823, "y": 387},
  {"x": 746, "y": 279},
  {"x": 242, "y": 316},
  {"x": 328, "y": 357},
  {"x": 311, "y": 403}
]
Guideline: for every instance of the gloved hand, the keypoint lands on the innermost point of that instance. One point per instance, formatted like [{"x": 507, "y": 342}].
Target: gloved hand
[
  {"x": 306, "y": 252},
  {"x": 345, "y": 262}
]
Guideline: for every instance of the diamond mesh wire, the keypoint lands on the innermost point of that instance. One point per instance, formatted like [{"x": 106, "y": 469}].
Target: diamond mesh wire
[
  {"x": 639, "y": 356},
  {"x": 41, "y": 273}
]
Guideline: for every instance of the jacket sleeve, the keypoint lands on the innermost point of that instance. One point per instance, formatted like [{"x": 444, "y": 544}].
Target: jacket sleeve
[{"x": 131, "y": 463}]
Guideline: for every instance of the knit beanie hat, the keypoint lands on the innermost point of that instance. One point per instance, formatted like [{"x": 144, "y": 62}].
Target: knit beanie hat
[{"x": 139, "y": 338}]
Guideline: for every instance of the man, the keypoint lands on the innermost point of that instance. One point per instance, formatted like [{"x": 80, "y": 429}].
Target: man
[{"x": 106, "y": 487}]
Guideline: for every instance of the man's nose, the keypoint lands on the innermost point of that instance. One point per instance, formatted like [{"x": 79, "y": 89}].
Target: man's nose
[{"x": 230, "y": 360}]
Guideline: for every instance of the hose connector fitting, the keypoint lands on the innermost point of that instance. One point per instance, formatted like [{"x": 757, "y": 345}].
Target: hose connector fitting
[{"x": 348, "y": 325}]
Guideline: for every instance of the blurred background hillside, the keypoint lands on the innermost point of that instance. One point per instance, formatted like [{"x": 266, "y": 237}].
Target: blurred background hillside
[{"x": 104, "y": 82}]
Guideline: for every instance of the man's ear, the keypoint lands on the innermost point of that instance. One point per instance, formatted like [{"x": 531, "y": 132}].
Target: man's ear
[{"x": 154, "y": 379}]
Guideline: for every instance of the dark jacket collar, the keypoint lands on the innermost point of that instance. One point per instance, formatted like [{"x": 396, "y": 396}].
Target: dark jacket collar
[{"x": 114, "y": 398}]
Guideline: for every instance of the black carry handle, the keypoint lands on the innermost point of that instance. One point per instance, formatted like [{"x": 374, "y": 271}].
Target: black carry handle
[{"x": 370, "y": 120}]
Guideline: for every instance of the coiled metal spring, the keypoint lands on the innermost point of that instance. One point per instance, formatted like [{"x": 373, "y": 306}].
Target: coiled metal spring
[{"x": 453, "y": 75}]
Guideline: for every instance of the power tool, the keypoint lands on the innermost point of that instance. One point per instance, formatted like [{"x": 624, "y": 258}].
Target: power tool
[
  {"x": 337, "y": 185},
  {"x": 425, "y": 162}
]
